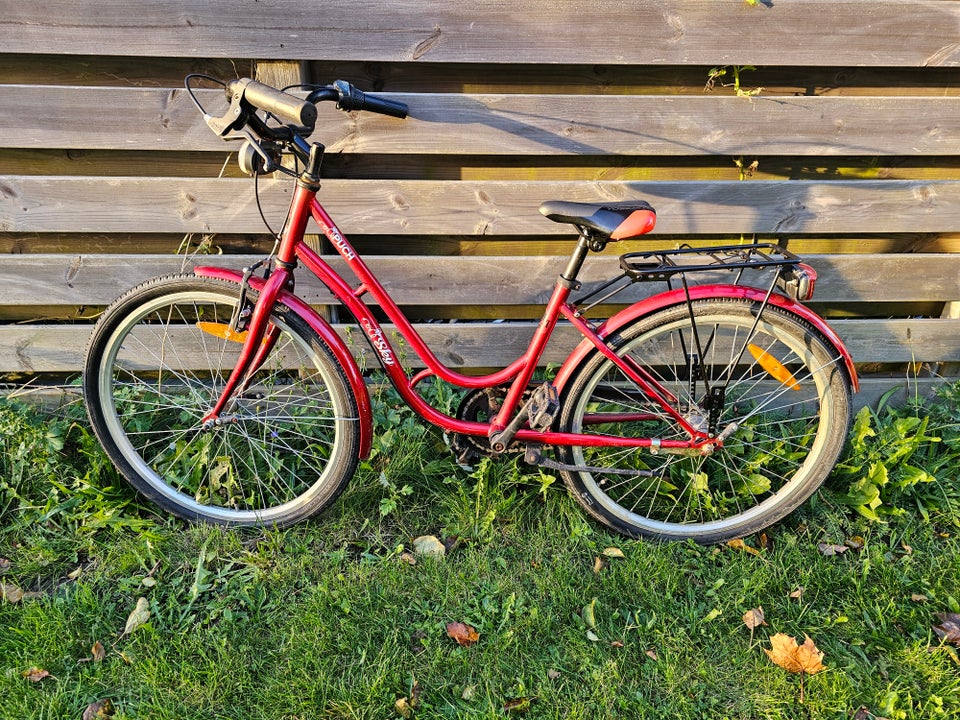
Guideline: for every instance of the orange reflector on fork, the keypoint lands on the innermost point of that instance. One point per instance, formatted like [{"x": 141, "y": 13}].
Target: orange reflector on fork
[
  {"x": 774, "y": 367},
  {"x": 222, "y": 331}
]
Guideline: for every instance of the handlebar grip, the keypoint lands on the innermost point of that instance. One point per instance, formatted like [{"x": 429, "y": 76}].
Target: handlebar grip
[
  {"x": 286, "y": 107},
  {"x": 353, "y": 99}
]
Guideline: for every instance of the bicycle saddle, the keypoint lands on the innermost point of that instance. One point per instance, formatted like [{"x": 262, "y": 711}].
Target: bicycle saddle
[{"x": 616, "y": 221}]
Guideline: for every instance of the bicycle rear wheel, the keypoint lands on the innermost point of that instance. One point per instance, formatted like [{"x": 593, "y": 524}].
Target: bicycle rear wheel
[
  {"x": 156, "y": 363},
  {"x": 784, "y": 387}
]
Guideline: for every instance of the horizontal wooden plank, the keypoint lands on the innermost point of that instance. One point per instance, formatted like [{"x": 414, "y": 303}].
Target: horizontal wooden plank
[
  {"x": 49, "y": 280},
  {"x": 498, "y": 124},
  {"x": 59, "y": 348},
  {"x": 896, "y": 392},
  {"x": 899, "y": 32},
  {"x": 411, "y": 207},
  {"x": 114, "y": 71}
]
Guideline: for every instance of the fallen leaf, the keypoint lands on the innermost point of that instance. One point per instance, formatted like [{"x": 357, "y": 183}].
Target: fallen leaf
[
  {"x": 402, "y": 706},
  {"x": 855, "y": 543},
  {"x": 408, "y": 558},
  {"x": 148, "y": 582},
  {"x": 712, "y": 615},
  {"x": 612, "y": 552},
  {"x": 766, "y": 542},
  {"x": 139, "y": 616},
  {"x": 739, "y": 544},
  {"x": 588, "y": 613},
  {"x": 794, "y": 658},
  {"x": 829, "y": 550},
  {"x": 4, "y": 564},
  {"x": 906, "y": 548},
  {"x": 519, "y": 705},
  {"x": 598, "y": 564},
  {"x": 35, "y": 674},
  {"x": 617, "y": 644},
  {"x": 97, "y": 653},
  {"x": 462, "y": 633},
  {"x": 553, "y": 674},
  {"x": 949, "y": 629},
  {"x": 11, "y": 593},
  {"x": 429, "y": 546},
  {"x": 951, "y": 652},
  {"x": 99, "y": 710},
  {"x": 797, "y": 594},
  {"x": 469, "y": 693},
  {"x": 592, "y": 636},
  {"x": 652, "y": 654},
  {"x": 754, "y": 618},
  {"x": 75, "y": 573},
  {"x": 863, "y": 713},
  {"x": 917, "y": 597}
]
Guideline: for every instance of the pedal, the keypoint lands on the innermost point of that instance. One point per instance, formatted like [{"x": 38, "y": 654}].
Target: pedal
[
  {"x": 538, "y": 412},
  {"x": 543, "y": 407}
]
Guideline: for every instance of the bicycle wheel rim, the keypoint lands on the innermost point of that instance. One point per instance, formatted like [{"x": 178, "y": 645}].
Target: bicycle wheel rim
[
  {"x": 689, "y": 496},
  {"x": 287, "y": 456}
]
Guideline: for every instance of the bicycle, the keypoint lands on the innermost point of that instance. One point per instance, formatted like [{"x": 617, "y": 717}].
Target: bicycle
[{"x": 706, "y": 411}]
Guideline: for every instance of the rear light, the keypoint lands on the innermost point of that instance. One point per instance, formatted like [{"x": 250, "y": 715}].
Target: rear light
[{"x": 798, "y": 282}]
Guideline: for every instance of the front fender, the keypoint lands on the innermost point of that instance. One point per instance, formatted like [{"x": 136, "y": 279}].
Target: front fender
[
  {"x": 329, "y": 336},
  {"x": 704, "y": 292}
]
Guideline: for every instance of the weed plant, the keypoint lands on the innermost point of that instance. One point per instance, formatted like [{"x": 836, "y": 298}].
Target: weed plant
[{"x": 340, "y": 618}]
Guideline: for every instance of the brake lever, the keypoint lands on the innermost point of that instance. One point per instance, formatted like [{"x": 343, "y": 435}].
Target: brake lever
[{"x": 235, "y": 118}]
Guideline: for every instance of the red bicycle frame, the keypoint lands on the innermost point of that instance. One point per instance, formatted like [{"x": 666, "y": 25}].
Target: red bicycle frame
[{"x": 278, "y": 287}]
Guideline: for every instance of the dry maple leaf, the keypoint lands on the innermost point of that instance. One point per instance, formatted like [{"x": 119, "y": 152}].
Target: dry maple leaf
[
  {"x": 462, "y": 633},
  {"x": 804, "y": 659},
  {"x": 794, "y": 658},
  {"x": 949, "y": 629}
]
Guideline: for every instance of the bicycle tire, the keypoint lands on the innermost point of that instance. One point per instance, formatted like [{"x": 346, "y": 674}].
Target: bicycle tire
[
  {"x": 287, "y": 445},
  {"x": 790, "y": 431}
]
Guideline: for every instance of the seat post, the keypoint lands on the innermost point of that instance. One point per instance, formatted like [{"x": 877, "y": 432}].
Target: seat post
[{"x": 577, "y": 258}]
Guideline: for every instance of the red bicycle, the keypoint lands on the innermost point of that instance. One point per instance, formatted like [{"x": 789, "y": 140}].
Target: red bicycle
[{"x": 706, "y": 411}]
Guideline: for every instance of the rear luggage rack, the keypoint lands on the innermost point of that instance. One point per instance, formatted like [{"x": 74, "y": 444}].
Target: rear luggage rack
[
  {"x": 663, "y": 264},
  {"x": 794, "y": 278}
]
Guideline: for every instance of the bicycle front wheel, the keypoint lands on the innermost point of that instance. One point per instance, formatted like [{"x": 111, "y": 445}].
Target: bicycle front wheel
[
  {"x": 156, "y": 363},
  {"x": 778, "y": 388}
]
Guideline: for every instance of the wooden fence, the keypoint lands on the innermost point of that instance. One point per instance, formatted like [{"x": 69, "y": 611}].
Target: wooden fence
[{"x": 845, "y": 138}]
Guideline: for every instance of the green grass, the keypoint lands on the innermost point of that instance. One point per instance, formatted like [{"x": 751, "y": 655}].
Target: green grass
[{"x": 329, "y": 620}]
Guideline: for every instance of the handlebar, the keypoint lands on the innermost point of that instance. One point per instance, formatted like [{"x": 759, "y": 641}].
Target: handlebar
[
  {"x": 276, "y": 102},
  {"x": 299, "y": 115}
]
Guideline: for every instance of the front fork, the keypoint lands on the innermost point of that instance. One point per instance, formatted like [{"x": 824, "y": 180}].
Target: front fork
[{"x": 261, "y": 338}]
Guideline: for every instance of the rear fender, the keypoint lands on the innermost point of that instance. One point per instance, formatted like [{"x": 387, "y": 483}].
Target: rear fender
[
  {"x": 701, "y": 292},
  {"x": 329, "y": 336}
]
